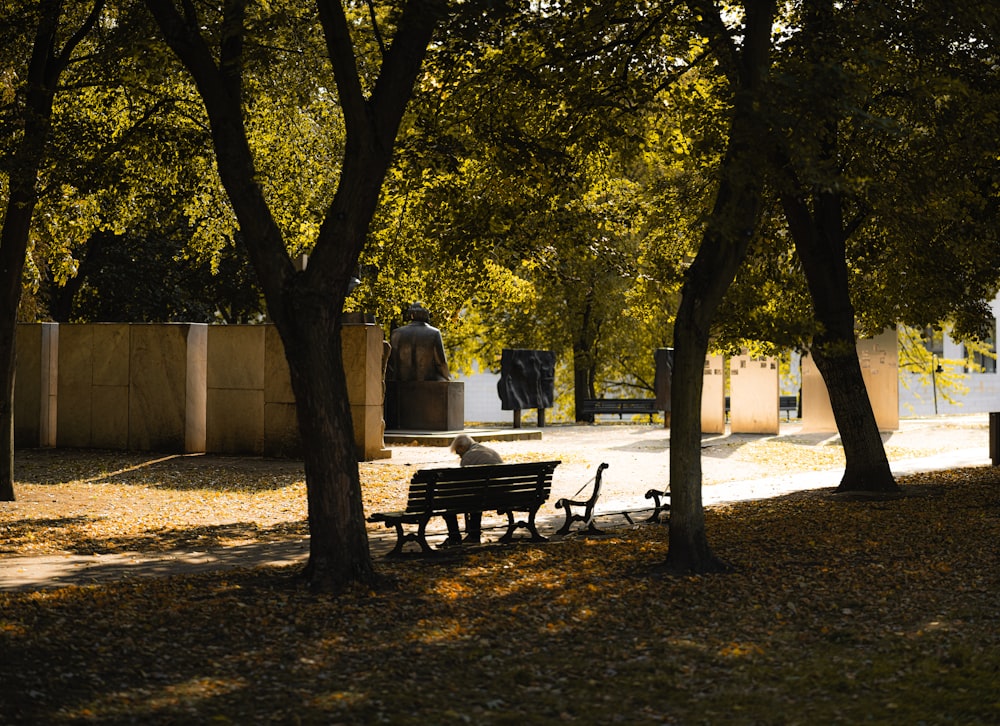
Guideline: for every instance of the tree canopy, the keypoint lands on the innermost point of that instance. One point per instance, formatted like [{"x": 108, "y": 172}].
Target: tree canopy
[{"x": 553, "y": 181}]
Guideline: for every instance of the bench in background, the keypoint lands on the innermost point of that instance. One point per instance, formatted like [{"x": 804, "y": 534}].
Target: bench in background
[
  {"x": 786, "y": 405},
  {"x": 619, "y": 406}
]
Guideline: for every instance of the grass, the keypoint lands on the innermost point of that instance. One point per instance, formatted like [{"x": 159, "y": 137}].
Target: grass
[{"x": 836, "y": 612}]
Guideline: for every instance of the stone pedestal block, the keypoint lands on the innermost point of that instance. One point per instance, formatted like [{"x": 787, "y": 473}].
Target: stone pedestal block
[
  {"x": 167, "y": 393},
  {"x": 137, "y": 387},
  {"x": 235, "y": 389},
  {"x": 281, "y": 427},
  {"x": 361, "y": 348},
  {"x": 426, "y": 405},
  {"x": 713, "y": 396},
  {"x": 753, "y": 395},
  {"x": 35, "y": 381}
]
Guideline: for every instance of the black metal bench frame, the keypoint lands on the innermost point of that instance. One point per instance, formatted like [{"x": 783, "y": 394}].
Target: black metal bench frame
[
  {"x": 588, "y": 507},
  {"x": 661, "y": 504},
  {"x": 509, "y": 489}
]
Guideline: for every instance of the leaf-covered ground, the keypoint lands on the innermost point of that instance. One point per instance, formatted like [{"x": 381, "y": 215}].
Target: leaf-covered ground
[{"x": 836, "y": 612}]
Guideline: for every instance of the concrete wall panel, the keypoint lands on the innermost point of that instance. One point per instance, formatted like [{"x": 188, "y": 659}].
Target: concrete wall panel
[
  {"x": 35, "y": 381},
  {"x": 753, "y": 395},
  {"x": 158, "y": 393},
  {"x": 713, "y": 396}
]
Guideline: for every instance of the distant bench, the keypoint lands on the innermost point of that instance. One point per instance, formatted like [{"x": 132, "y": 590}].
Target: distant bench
[
  {"x": 786, "y": 405},
  {"x": 619, "y": 406},
  {"x": 502, "y": 488}
]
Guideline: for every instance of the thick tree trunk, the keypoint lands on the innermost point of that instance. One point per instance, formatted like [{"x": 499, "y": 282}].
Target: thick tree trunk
[
  {"x": 723, "y": 248},
  {"x": 689, "y": 551},
  {"x": 306, "y": 306},
  {"x": 867, "y": 467},
  {"x": 13, "y": 247},
  {"x": 338, "y": 543},
  {"x": 820, "y": 244},
  {"x": 820, "y": 239},
  {"x": 44, "y": 69},
  {"x": 583, "y": 364}
]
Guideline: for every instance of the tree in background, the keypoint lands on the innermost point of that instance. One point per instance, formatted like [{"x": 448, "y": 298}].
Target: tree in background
[
  {"x": 518, "y": 210},
  {"x": 182, "y": 287},
  {"x": 872, "y": 166},
  {"x": 80, "y": 115}
]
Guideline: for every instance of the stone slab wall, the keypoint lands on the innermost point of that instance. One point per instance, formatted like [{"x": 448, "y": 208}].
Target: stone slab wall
[
  {"x": 136, "y": 387},
  {"x": 36, "y": 377},
  {"x": 180, "y": 388},
  {"x": 753, "y": 392},
  {"x": 713, "y": 396}
]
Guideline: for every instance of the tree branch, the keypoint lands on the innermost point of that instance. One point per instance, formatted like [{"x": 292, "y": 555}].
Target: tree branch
[{"x": 378, "y": 33}]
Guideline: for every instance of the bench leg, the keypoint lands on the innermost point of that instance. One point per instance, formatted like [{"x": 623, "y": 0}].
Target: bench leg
[
  {"x": 512, "y": 525},
  {"x": 656, "y": 495},
  {"x": 402, "y": 537},
  {"x": 588, "y": 504},
  {"x": 422, "y": 536},
  {"x": 587, "y": 516}
]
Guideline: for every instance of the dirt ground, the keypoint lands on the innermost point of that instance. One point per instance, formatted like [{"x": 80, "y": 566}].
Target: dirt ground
[{"x": 84, "y": 516}]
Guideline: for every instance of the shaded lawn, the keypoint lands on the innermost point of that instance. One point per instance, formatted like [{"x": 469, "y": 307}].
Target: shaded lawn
[{"x": 837, "y": 612}]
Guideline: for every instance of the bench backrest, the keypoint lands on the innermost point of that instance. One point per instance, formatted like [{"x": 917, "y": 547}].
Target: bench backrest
[
  {"x": 491, "y": 487},
  {"x": 619, "y": 405}
]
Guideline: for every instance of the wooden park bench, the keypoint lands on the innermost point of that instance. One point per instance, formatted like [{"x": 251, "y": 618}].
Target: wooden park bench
[
  {"x": 503, "y": 488},
  {"x": 619, "y": 406}
]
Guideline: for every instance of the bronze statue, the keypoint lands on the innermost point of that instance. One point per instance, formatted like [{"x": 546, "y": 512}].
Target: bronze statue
[{"x": 417, "y": 350}]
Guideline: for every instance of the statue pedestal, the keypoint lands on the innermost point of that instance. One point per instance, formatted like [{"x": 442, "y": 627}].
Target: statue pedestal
[{"x": 425, "y": 405}]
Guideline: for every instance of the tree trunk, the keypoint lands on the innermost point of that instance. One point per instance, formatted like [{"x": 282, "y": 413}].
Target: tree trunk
[
  {"x": 820, "y": 240},
  {"x": 338, "y": 543},
  {"x": 583, "y": 383},
  {"x": 13, "y": 247},
  {"x": 820, "y": 244},
  {"x": 724, "y": 246},
  {"x": 583, "y": 364},
  {"x": 306, "y": 306},
  {"x": 44, "y": 69}
]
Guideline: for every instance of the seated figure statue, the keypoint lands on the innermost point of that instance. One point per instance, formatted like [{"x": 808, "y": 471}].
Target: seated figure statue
[{"x": 417, "y": 350}]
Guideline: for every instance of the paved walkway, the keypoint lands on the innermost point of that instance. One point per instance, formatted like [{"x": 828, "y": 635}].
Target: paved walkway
[{"x": 637, "y": 458}]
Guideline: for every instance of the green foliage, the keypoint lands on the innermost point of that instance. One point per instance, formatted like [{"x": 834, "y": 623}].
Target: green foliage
[
  {"x": 188, "y": 289},
  {"x": 554, "y": 175},
  {"x": 524, "y": 210},
  {"x": 906, "y": 95}
]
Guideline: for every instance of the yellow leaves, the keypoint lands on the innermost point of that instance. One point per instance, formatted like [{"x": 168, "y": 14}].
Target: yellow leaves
[
  {"x": 453, "y": 590},
  {"x": 740, "y": 650},
  {"x": 898, "y": 596}
]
